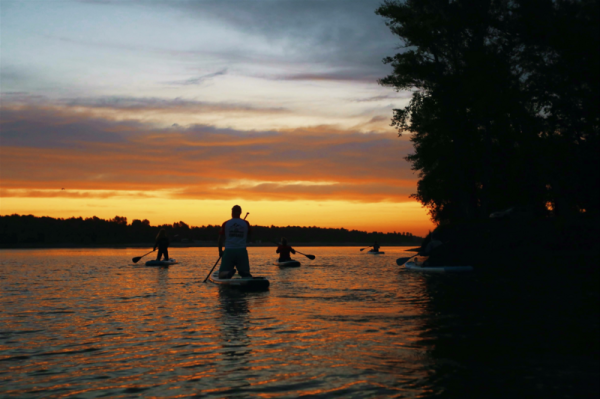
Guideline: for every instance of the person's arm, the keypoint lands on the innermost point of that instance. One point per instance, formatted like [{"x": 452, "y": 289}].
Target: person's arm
[
  {"x": 292, "y": 250},
  {"x": 155, "y": 244},
  {"x": 278, "y": 249},
  {"x": 221, "y": 242},
  {"x": 221, "y": 239}
]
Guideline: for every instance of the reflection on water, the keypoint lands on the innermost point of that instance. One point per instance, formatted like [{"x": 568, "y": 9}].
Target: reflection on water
[
  {"x": 77, "y": 323},
  {"x": 234, "y": 319}
]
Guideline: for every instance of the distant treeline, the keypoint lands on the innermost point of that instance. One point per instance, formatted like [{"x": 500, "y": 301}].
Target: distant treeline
[{"x": 29, "y": 230}]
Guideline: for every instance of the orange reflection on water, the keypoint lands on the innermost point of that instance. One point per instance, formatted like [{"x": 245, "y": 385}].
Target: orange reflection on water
[{"x": 133, "y": 328}]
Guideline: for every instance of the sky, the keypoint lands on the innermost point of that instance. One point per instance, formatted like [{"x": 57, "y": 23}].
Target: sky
[{"x": 177, "y": 110}]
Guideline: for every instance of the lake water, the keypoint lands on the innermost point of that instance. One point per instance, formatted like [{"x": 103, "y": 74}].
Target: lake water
[{"x": 90, "y": 323}]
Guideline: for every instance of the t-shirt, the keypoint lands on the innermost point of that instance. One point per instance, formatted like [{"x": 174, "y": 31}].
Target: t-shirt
[{"x": 236, "y": 233}]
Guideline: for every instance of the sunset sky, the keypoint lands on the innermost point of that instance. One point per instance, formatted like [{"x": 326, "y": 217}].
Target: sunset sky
[{"x": 178, "y": 110}]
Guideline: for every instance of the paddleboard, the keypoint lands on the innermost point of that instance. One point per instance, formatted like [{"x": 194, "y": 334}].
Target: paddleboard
[
  {"x": 251, "y": 283},
  {"x": 417, "y": 263},
  {"x": 161, "y": 262},
  {"x": 375, "y": 253},
  {"x": 287, "y": 263}
]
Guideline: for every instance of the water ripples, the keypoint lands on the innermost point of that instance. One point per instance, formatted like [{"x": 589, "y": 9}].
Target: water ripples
[{"x": 89, "y": 323}]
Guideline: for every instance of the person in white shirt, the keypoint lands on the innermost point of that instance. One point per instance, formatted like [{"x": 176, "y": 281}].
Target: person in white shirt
[{"x": 234, "y": 235}]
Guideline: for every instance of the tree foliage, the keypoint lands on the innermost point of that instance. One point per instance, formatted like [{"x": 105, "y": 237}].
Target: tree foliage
[{"x": 505, "y": 106}]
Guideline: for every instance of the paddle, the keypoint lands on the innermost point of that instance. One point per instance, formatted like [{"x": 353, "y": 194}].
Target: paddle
[
  {"x": 213, "y": 268},
  {"x": 311, "y": 257},
  {"x": 401, "y": 261},
  {"x": 362, "y": 249},
  {"x": 137, "y": 258}
]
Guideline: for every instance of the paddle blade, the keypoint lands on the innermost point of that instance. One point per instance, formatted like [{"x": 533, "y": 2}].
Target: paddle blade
[
  {"x": 401, "y": 261},
  {"x": 311, "y": 257},
  {"x": 136, "y": 259}
]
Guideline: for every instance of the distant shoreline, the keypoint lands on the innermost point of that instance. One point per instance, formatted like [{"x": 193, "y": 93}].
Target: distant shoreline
[{"x": 196, "y": 245}]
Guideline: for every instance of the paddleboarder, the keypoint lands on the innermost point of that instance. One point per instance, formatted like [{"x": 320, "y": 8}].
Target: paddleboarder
[
  {"x": 234, "y": 235},
  {"x": 162, "y": 242},
  {"x": 375, "y": 247},
  {"x": 284, "y": 251},
  {"x": 433, "y": 243}
]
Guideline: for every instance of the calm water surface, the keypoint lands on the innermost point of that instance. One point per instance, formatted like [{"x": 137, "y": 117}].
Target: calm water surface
[{"x": 90, "y": 323}]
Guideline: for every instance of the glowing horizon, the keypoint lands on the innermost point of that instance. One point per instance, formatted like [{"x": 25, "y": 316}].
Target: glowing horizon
[{"x": 327, "y": 214}]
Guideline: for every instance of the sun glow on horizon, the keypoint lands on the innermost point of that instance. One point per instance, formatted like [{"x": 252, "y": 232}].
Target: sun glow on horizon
[{"x": 383, "y": 216}]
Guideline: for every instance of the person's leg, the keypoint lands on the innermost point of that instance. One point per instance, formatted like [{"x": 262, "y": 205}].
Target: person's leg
[
  {"x": 159, "y": 254},
  {"x": 226, "y": 270},
  {"x": 243, "y": 264},
  {"x": 166, "y": 252}
]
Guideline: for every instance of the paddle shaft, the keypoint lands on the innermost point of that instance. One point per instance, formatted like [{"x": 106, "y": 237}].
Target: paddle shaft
[
  {"x": 213, "y": 268},
  {"x": 311, "y": 257},
  {"x": 137, "y": 258}
]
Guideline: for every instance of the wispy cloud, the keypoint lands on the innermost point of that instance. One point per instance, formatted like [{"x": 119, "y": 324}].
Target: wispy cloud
[
  {"x": 317, "y": 34},
  {"x": 199, "y": 80},
  {"x": 76, "y": 194},
  {"x": 157, "y": 104},
  {"x": 341, "y": 76},
  {"x": 400, "y": 96}
]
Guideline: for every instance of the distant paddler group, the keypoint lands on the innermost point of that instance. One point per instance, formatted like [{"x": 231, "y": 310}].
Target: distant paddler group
[{"x": 233, "y": 254}]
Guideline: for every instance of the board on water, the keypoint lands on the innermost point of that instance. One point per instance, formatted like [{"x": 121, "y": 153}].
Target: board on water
[
  {"x": 287, "y": 263},
  {"x": 418, "y": 263},
  {"x": 168, "y": 262},
  {"x": 375, "y": 252},
  {"x": 246, "y": 283}
]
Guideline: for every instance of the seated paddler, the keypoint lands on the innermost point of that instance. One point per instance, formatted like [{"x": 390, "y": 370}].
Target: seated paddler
[{"x": 284, "y": 251}]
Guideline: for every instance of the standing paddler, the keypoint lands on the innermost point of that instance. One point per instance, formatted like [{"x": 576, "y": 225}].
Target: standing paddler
[
  {"x": 162, "y": 242},
  {"x": 234, "y": 234}
]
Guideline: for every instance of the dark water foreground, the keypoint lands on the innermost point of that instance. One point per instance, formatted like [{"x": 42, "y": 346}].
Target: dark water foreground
[{"x": 89, "y": 323}]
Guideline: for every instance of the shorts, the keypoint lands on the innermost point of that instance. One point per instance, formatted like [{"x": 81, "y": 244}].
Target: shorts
[{"x": 235, "y": 257}]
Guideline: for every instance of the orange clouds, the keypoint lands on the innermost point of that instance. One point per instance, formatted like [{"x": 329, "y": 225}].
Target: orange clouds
[
  {"x": 117, "y": 164},
  {"x": 44, "y": 150}
]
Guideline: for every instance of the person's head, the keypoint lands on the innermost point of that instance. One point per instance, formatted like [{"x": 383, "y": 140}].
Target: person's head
[
  {"x": 283, "y": 241},
  {"x": 162, "y": 233},
  {"x": 236, "y": 211}
]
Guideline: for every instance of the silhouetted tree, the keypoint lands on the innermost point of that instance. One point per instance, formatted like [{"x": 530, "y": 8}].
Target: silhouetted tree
[{"x": 491, "y": 106}]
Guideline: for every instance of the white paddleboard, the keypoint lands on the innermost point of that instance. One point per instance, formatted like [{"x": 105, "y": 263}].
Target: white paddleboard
[
  {"x": 250, "y": 283},
  {"x": 287, "y": 263},
  {"x": 418, "y": 263},
  {"x": 161, "y": 262}
]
